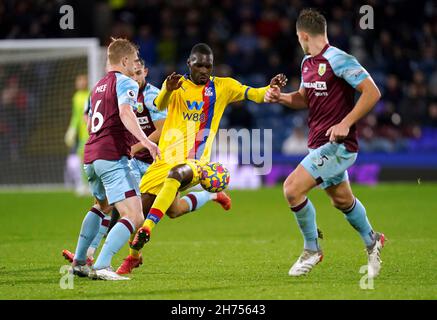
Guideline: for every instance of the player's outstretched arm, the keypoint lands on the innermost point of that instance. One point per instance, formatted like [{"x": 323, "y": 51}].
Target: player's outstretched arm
[
  {"x": 238, "y": 92},
  {"x": 294, "y": 100},
  {"x": 130, "y": 121},
  {"x": 370, "y": 95},
  {"x": 173, "y": 82}
]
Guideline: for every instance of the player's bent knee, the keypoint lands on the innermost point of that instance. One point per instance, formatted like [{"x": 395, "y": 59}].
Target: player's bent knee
[
  {"x": 182, "y": 173},
  {"x": 292, "y": 192},
  {"x": 172, "y": 214},
  {"x": 137, "y": 221},
  {"x": 104, "y": 207},
  {"x": 176, "y": 173},
  {"x": 342, "y": 203},
  {"x": 107, "y": 209}
]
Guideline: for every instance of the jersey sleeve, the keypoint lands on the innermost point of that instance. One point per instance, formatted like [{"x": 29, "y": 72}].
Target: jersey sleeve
[
  {"x": 164, "y": 98},
  {"x": 149, "y": 101},
  {"x": 238, "y": 92},
  {"x": 346, "y": 66},
  {"x": 127, "y": 91}
]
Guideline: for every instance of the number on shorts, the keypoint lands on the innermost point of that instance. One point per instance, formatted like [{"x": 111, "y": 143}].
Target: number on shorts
[{"x": 96, "y": 115}]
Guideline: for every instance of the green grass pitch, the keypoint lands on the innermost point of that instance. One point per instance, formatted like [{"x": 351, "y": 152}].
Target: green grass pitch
[{"x": 241, "y": 254}]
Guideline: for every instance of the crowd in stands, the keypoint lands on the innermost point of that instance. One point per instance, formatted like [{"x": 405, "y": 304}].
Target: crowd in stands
[{"x": 253, "y": 40}]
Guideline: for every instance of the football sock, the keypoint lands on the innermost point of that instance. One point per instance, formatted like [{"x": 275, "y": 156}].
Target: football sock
[
  {"x": 90, "y": 227},
  {"x": 196, "y": 200},
  {"x": 115, "y": 240},
  {"x": 98, "y": 238},
  {"x": 356, "y": 216},
  {"x": 305, "y": 214},
  {"x": 132, "y": 252},
  {"x": 162, "y": 202}
]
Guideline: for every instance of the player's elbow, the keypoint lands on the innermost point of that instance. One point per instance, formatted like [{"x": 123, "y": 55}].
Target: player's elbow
[
  {"x": 370, "y": 89},
  {"x": 124, "y": 111},
  {"x": 378, "y": 94}
]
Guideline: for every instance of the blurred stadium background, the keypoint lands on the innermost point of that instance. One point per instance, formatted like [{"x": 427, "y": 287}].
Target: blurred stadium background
[
  {"x": 252, "y": 41},
  {"x": 246, "y": 253}
]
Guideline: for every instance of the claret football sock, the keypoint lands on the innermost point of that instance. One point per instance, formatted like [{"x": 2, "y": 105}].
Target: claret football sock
[
  {"x": 356, "y": 216},
  {"x": 90, "y": 227},
  {"x": 305, "y": 214},
  {"x": 115, "y": 240},
  {"x": 162, "y": 202},
  {"x": 196, "y": 200},
  {"x": 98, "y": 238}
]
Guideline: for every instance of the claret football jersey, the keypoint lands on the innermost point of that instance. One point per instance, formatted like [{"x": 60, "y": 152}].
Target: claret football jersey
[{"x": 330, "y": 79}]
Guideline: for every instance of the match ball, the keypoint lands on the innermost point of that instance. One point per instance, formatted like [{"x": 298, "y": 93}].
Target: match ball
[{"x": 214, "y": 177}]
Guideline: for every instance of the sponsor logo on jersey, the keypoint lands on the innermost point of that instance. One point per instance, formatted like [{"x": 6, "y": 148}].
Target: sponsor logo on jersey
[
  {"x": 198, "y": 105},
  {"x": 194, "y": 116},
  {"x": 145, "y": 123},
  {"x": 317, "y": 85},
  {"x": 322, "y": 69},
  {"x": 305, "y": 69},
  {"x": 143, "y": 120}
]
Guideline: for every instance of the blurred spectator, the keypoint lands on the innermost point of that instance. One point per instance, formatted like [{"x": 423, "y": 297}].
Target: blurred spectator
[
  {"x": 147, "y": 44},
  {"x": 13, "y": 108},
  {"x": 296, "y": 143},
  {"x": 255, "y": 39}
]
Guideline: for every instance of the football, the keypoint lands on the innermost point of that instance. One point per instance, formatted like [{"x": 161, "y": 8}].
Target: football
[{"x": 214, "y": 177}]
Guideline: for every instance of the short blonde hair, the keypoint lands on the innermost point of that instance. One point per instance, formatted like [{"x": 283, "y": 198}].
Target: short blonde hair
[{"x": 120, "y": 48}]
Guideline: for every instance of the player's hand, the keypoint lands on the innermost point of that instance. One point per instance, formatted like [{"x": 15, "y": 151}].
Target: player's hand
[
  {"x": 338, "y": 132},
  {"x": 272, "y": 95},
  {"x": 173, "y": 82},
  {"x": 153, "y": 148},
  {"x": 280, "y": 80}
]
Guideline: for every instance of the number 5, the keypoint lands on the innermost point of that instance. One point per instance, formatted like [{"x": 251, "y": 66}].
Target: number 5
[{"x": 99, "y": 117}]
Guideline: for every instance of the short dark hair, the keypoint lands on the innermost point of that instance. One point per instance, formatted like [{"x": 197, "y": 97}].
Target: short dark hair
[
  {"x": 311, "y": 21},
  {"x": 201, "y": 48}
]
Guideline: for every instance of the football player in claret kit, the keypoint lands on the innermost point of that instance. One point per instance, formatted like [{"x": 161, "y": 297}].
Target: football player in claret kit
[
  {"x": 151, "y": 121},
  {"x": 111, "y": 123},
  {"x": 329, "y": 80},
  {"x": 195, "y": 104}
]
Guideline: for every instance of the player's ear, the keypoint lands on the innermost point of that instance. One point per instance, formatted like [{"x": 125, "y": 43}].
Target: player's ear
[
  {"x": 146, "y": 72},
  {"x": 123, "y": 61}
]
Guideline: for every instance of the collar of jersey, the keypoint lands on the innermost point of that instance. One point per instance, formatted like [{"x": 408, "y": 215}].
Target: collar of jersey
[{"x": 323, "y": 50}]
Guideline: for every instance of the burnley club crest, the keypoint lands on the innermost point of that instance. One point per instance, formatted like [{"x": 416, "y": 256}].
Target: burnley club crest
[{"x": 322, "y": 69}]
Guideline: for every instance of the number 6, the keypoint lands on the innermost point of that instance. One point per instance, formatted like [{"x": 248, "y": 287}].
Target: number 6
[{"x": 99, "y": 117}]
